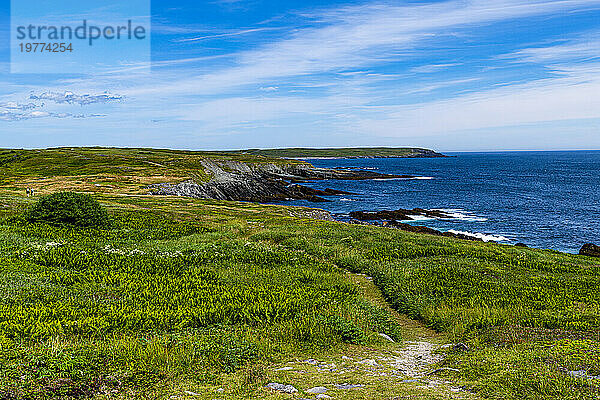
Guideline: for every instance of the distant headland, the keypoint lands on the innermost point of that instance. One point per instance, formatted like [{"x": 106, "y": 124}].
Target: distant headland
[{"x": 357, "y": 152}]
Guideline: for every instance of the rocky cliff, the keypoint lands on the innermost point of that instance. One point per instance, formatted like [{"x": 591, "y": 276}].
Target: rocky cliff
[{"x": 238, "y": 181}]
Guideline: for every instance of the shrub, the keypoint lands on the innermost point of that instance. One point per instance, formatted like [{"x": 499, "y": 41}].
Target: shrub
[
  {"x": 68, "y": 208},
  {"x": 345, "y": 330}
]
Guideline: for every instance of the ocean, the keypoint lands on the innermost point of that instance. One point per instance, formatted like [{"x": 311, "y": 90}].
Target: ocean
[{"x": 547, "y": 200}]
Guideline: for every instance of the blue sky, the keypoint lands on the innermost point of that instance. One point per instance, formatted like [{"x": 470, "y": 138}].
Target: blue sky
[{"x": 455, "y": 75}]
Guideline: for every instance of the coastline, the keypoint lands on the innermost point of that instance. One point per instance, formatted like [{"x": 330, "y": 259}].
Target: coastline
[{"x": 545, "y": 200}]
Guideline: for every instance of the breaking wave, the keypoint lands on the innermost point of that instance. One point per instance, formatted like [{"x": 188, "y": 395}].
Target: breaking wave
[{"x": 482, "y": 236}]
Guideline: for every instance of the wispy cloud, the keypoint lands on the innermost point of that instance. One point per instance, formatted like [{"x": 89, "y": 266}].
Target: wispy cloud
[
  {"x": 582, "y": 48},
  {"x": 72, "y": 98},
  {"x": 356, "y": 37},
  {"x": 224, "y": 35},
  {"x": 363, "y": 70},
  {"x": 12, "y": 116},
  {"x": 12, "y": 106},
  {"x": 430, "y": 68}
]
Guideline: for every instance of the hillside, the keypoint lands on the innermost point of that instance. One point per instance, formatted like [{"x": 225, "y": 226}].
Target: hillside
[
  {"x": 359, "y": 152},
  {"x": 123, "y": 170},
  {"x": 208, "y": 175},
  {"x": 204, "y": 299}
]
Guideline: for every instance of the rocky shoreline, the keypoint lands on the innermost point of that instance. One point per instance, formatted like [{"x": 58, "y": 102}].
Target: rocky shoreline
[
  {"x": 392, "y": 218},
  {"x": 237, "y": 181},
  {"x": 399, "y": 215}
]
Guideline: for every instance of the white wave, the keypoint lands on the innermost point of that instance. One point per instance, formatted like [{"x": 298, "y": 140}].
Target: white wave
[
  {"x": 345, "y": 199},
  {"x": 482, "y": 236},
  {"x": 414, "y": 178},
  {"x": 419, "y": 218},
  {"x": 456, "y": 213}
]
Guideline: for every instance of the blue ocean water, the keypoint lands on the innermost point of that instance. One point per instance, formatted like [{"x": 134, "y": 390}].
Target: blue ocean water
[{"x": 546, "y": 200}]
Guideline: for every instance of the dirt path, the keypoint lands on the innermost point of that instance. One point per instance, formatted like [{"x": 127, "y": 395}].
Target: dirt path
[
  {"x": 411, "y": 330},
  {"x": 392, "y": 371},
  {"x": 406, "y": 370}
]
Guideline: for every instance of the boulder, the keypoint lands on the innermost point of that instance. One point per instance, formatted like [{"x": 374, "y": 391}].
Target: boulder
[
  {"x": 317, "y": 390},
  {"x": 460, "y": 347},
  {"x": 590, "y": 250},
  {"x": 386, "y": 337},
  {"x": 282, "y": 388}
]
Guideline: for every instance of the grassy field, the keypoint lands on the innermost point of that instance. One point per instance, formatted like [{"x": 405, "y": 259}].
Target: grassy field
[
  {"x": 111, "y": 170},
  {"x": 183, "y": 298},
  {"x": 403, "y": 152}
]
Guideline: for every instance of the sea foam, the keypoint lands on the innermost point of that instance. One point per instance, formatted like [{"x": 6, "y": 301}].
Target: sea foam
[
  {"x": 482, "y": 236},
  {"x": 414, "y": 178},
  {"x": 457, "y": 213}
]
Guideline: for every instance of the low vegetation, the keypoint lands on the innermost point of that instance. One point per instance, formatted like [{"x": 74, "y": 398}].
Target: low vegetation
[
  {"x": 111, "y": 170},
  {"x": 152, "y": 298},
  {"x": 525, "y": 301},
  {"x": 178, "y": 295},
  {"x": 402, "y": 152},
  {"x": 68, "y": 208}
]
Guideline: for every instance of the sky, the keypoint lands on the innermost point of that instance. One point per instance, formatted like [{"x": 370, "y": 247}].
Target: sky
[{"x": 452, "y": 75}]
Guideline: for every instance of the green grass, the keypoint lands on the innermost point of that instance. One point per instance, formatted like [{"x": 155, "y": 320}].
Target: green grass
[
  {"x": 112, "y": 170},
  {"x": 154, "y": 298},
  {"x": 531, "y": 297},
  {"x": 180, "y": 294},
  {"x": 403, "y": 152}
]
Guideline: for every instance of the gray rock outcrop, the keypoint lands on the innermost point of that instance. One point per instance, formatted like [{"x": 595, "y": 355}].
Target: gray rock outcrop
[{"x": 237, "y": 181}]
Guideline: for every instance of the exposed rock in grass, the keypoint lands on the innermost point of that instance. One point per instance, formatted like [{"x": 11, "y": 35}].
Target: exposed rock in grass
[
  {"x": 584, "y": 375},
  {"x": 416, "y": 358},
  {"x": 460, "y": 347},
  {"x": 386, "y": 337},
  {"x": 317, "y": 390},
  {"x": 282, "y": 388},
  {"x": 346, "y": 386}
]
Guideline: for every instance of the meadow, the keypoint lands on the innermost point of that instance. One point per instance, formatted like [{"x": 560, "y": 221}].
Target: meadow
[
  {"x": 153, "y": 298},
  {"x": 179, "y": 295}
]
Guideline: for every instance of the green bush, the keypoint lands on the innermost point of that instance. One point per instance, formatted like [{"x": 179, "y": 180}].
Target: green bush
[
  {"x": 345, "y": 330},
  {"x": 68, "y": 208}
]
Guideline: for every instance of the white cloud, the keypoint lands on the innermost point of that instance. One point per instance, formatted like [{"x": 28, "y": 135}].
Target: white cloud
[
  {"x": 269, "y": 89},
  {"x": 583, "y": 48},
  {"x": 569, "y": 98},
  {"x": 12, "y": 116},
  {"x": 355, "y": 37},
  {"x": 330, "y": 69},
  {"x": 430, "y": 68},
  {"x": 72, "y": 98},
  {"x": 223, "y": 35},
  {"x": 13, "y": 106}
]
